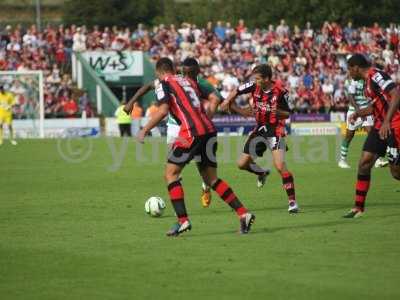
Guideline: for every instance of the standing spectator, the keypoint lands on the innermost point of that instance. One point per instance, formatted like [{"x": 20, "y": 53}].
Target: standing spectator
[
  {"x": 348, "y": 31},
  {"x": 309, "y": 32},
  {"x": 79, "y": 39},
  {"x": 219, "y": 31},
  {"x": 240, "y": 27},
  {"x": 230, "y": 33},
  {"x": 68, "y": 42},
  {"x": 123, "y": 120},
  {"x": 84, "y": 105},
  {"x": 282, "y": 29},
  {"x": 61, "y": 58}
]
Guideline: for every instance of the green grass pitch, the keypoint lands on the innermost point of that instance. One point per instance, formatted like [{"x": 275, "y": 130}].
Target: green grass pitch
[{"x": 73, "y": 229}]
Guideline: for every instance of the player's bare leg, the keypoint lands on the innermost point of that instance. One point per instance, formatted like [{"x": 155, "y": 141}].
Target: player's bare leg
[
  {"x": 344, "y": 149},
  {"x": 365, "y": 165},
  {"x": 247, "y": 163},
  {"x": 278, "y": 158},
  {"x": 210, "y": 177},
  {"x": 176, "y": 194},
  {"x": 12, "y": 139},
  {"x": 1, "y": 134}
]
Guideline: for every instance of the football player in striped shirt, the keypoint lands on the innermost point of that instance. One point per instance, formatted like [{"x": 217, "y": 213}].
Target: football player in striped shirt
[
  {"x": 384, "y": 137},
  {"x": 190, "y": 68},
  {"x": 270, "y": 108},
  {"x": 181, "y": 97}
]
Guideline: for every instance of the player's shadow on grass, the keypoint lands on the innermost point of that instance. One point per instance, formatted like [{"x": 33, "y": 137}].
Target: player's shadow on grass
[
  {"x": 327, "y": 207},
  {"x": 338, "y": 221},
  {"x": 302, "y": 226},
  {"x": 378, "y": 204},
  {"x": 311, "y": 208}
]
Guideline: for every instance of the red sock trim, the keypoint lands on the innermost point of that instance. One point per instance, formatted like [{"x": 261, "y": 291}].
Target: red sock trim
[
  {"x": 230, "y": 198},
  {"x": 221, "y": 188},
  {"x": 182, "y": 220},
  {"x": 175, "y": 191},
  {"x": 241, "y": 211}
]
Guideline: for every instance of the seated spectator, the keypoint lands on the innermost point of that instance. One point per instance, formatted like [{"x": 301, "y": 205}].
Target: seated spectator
[{"x": 70, "y": 108}]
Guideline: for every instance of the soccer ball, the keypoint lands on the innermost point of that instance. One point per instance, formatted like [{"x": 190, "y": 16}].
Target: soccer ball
[{"x": 154, "y": 206}]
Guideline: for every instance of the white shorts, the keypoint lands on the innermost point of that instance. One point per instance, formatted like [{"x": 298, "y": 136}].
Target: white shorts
[
  {"x": 367, "y": 121},
  {"x": 172, "y": 133}
]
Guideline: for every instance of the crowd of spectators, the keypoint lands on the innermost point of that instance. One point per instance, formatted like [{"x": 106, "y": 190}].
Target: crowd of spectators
[
  {"x": 50, "y": 50},
  {"x": 310, "y": 62}
]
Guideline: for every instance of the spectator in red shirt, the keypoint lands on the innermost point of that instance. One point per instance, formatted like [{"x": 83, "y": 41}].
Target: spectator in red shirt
[{"x": 70, "y": 108}]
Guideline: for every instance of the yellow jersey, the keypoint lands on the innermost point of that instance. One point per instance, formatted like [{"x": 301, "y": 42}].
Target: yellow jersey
[
  {"x": 7, "y": 100},
  {"x": 122, "y": 116}
]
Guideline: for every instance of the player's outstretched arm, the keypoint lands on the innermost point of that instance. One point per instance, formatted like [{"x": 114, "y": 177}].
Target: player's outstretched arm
[
  {"x": 214, "y": 102},
  {"x": 394, "y": 105},
  {"x": 225, "y": 105},
  {"x": 245, "y": 112},
  {"x": 155, "y": 119},
  {"x": 282, "y": 114},
  {"x": 140, "y": 93},
  {"x": 361, "y": 113}
]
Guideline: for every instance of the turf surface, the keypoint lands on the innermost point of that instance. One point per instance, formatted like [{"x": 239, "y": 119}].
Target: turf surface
[{"x": 77, "y": 230}]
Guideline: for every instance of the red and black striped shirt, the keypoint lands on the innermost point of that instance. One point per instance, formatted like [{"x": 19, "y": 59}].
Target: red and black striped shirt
[
  {"x": 377, "y": 88},
  {"x": 184, "y": 97},
  {"x": 265, "y": 104}
]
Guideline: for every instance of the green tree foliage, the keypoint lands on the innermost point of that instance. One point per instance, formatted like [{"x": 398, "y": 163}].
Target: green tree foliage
[
  {"x": 256, "y": 13},
  {"x": 111, "y": 12}
]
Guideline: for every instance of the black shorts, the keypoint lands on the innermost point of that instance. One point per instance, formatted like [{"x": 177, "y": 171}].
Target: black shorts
[
  {"x": 374, "y": 144},
  {"x": 203, "y": 149},
  {"x": 125, "y": 129},
  {"x": 257, "y": 143},
  {"x": 391, "y": 146}
]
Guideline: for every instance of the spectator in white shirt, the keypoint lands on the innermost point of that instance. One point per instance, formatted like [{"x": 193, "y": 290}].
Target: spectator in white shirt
[{"x": 79, "y": 41}]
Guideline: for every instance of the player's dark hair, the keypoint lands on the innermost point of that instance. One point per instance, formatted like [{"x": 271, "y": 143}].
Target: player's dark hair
[
  {"x": 379, "y": 64},
  {"x": 264, "y": 70},
  {"x": 164, "y": 64},
  {"x": 358, "y": 60},
  {"x": 190, "y": 62},
  {"x": 191, "y": 67}
]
